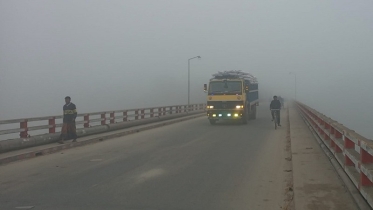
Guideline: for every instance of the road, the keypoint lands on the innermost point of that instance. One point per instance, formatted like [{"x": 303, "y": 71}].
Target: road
[{"x": 188, "y": 165}]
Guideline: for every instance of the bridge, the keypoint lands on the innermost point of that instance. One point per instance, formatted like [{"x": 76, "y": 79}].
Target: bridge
[{"x": 172, "y": 158}]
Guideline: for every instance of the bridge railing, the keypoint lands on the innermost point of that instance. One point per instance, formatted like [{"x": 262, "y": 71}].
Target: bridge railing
[
  {"x": 49, "y": 124},
  {"x": 353, "y": 151}
]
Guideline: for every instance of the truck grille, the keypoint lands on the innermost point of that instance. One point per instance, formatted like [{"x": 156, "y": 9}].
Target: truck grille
[{"x": 224, "y": 104}]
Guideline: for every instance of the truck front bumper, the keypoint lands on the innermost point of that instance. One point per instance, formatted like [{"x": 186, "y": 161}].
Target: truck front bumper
[{"x": 225, "y": 114}]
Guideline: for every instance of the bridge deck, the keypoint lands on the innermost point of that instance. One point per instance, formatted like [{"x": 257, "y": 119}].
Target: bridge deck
[{"x": 188, "y": 165}]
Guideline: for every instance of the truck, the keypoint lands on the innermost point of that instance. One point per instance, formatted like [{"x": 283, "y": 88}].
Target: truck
[{"x": 232, "y": 95}]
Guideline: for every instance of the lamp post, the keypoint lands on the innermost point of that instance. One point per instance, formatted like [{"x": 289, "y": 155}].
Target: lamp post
[{"x": 199, "y": 57}]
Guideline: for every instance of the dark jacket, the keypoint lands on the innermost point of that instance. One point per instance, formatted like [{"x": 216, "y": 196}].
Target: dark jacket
[
  {"x": 275, "y": 104},
  {"x": 69, "y": 112}
]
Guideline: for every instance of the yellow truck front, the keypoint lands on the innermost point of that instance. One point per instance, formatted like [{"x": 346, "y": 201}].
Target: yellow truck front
[{"x": 231, "y": 97}]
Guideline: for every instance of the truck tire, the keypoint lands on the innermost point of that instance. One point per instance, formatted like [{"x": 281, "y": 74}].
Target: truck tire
[{"x": 212, "y": 122}]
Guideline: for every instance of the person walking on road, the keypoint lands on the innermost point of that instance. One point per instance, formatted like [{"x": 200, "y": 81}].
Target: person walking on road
[
  {"x": 68, "y": 130},
  {"x": 275, "y": 104}
]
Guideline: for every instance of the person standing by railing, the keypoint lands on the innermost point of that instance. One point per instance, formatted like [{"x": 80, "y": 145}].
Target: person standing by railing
[{"x": 68, "y": 130}]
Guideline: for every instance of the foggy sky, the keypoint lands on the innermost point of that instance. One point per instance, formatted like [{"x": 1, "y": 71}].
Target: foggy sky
[{"x": 111, "y": 55}]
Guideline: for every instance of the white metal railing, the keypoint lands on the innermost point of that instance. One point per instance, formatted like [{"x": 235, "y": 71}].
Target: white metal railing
[{"x": 49, "y": 124}]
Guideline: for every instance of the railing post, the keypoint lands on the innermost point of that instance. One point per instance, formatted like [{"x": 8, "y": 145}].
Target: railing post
[
  {"x": 52, "y": 122},
  {"x": 23, "y": 125},
  {"x": 159, "y": 112},
  {"x": 142, "y": 114},
  {"x": 103, "y": 119},
  {"x": 365, "y": 158},
  {"x": 112, "y": 117},
  {"x": 124, "y": 116},
  {"x": 170, "y": 109},
  {"x": 136, "y": 114},
  {"x": 86, "y": 121},
  {"x": 348, "y": 144},
  {"x": 151, "y": 112}
]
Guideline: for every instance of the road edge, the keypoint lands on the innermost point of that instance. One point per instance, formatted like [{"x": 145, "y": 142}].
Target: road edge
[{"x": 289, "y": 203}]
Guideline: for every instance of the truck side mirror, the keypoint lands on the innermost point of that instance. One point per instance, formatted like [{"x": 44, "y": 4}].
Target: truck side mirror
[{"x": 205, "y": 87}]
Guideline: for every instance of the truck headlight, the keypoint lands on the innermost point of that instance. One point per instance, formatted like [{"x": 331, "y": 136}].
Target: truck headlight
[
  {"x": 210, "y": 107},
  {"x": 239, "y": 106}
]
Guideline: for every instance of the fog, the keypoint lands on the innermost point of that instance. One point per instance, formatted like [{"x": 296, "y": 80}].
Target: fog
[{"x": 111, "y": 55}]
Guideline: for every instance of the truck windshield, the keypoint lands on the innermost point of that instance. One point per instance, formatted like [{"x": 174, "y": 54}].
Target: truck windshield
[{"x": 225, "y": 87}]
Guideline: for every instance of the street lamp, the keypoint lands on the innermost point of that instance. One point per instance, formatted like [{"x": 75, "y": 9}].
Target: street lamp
[
  {"x": 199, "y": 57},
  {"x": 295, "y": 84}
]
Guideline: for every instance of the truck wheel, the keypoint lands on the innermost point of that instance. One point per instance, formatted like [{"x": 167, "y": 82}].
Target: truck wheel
[{"x": 212, "y": 122}]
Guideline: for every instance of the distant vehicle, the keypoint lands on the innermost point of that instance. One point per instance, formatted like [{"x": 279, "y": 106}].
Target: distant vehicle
[{"x": 232, "y": 95}]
